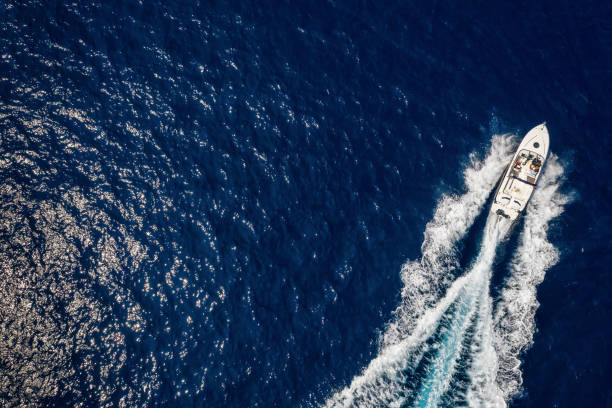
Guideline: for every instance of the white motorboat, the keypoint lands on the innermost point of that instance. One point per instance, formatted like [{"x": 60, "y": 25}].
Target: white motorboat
[{"x": 521, "y": 176}]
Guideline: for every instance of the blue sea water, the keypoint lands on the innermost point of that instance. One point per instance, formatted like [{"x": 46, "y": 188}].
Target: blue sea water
[{"x": 210, "y": 203}]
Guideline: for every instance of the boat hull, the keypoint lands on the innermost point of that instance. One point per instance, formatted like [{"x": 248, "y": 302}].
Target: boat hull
[{"x": 522, "y": 174}]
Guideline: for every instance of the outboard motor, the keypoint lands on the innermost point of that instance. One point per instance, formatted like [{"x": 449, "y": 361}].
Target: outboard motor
[{"x": 502, "y": 213}]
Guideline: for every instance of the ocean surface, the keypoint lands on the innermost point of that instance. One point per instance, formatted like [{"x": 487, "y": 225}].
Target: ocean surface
[{"x": 284, "y": 204}]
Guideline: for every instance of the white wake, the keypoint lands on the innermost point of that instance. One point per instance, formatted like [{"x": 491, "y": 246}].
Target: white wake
[
  {"x": 437, "y": 306},
  {"x": 514, "y": 319}
]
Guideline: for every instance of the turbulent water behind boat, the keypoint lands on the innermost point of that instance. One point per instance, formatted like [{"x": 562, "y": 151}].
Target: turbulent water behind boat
[{"x": 447, "y": 345}]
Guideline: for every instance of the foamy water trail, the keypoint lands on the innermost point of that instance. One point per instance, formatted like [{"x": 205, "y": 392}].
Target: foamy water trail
[
  {"x": 441, "y": 368},
  {"x": 477, "y": 307},
  {"x": 440, "y": 321},
  {"x": 425, "y": 281},
  {"x": 483, "y": 390},
  {"x": 514, "y": 319}
]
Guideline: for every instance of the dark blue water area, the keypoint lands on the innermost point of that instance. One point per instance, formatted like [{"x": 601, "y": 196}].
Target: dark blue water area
[{"x": 209, "y": 203}]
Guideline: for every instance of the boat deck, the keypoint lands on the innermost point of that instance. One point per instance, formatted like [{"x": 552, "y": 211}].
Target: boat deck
[
  {"x": 519, "y": 184},
  {"x": 527, "y": 166}
]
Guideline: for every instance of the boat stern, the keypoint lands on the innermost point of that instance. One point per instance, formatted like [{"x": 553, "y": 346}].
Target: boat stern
[{"x": 504, "y": 211}]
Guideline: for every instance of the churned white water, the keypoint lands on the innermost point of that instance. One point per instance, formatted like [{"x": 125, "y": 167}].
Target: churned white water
[
  {"x": 446, "y": 324},
  {"x": 514, "y": 318}
]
